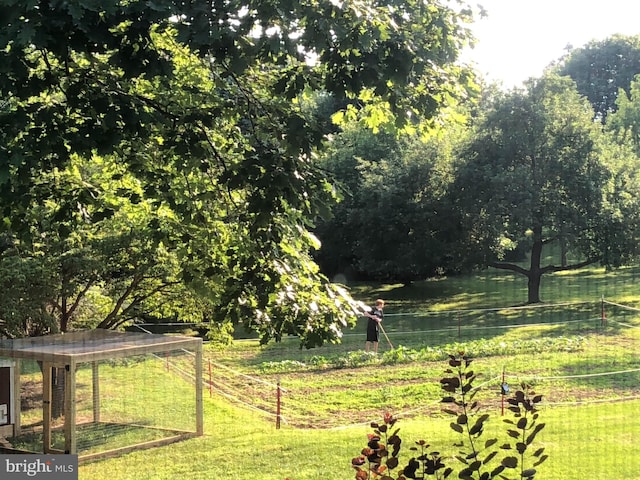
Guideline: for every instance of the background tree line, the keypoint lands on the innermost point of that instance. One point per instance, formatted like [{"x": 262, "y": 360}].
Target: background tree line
[
  {"x": 182, "y": 160},
  {"x": 551, "y": 163}
]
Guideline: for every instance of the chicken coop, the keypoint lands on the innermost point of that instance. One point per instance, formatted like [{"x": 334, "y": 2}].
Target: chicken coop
[{"x": 99, "y": 393}]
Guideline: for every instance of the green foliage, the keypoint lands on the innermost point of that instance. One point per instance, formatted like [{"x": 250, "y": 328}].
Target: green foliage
[
  {"x": 624, "y": 121},
  {"x": 539, "y": 171},
  {"x": 603, "y": 68},
  {"x": 25, "y": 285},
  {"x": 219, "y": 336},
  {"x": 525, "y": 428},
  {"x": 180, "y": 129},
  {"x": 403, "y": 355},
  {"x": 393, "y": 220},
  {"x": 99, "y": 270},
  {"x": 474, "y": 453},
  {"x": 477, "y": 454}
]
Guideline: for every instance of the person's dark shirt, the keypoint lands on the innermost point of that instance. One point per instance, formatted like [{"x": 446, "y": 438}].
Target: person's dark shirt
[{"x": 376, "y": 312}]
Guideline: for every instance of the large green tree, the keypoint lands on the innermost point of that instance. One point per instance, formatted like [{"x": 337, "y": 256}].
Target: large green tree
[
  {"x": 199, "y": 103},
  {"x": 537, "y": 171},
  {"x": 393, "y": 222},
  {"x": 602, "y": 68},
  {"x": 120, "y": 261},
  {"x": 624, "y": 123},
  {"x": 624, "y": 127}
]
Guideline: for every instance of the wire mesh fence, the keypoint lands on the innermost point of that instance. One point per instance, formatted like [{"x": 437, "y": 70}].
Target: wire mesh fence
[
  {"x": 118, "y": 404},
  {"x": 571, "y": 351}
]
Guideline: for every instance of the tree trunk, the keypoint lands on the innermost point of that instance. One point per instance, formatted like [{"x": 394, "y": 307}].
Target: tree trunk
[
  {"x": 533, "y": 285},
  {"x": 535, "y": 273}
]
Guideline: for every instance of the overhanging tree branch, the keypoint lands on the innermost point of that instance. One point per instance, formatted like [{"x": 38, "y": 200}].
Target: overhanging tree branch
[
  {"x": 574, "y": 266},
  {"x": 509, "y": 266}
]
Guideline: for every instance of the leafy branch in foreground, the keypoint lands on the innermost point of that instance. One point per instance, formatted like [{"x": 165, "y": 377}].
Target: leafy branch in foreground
[
  {"x": 469, "y": 422},
  {"x": 523, "y": 405},
  {"x": 379, "y": 459}
]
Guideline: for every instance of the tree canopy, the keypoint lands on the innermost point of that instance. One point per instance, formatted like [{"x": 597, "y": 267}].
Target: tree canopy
[
  {"x": 602, "y": 68},
  {"x": 393, "y": 223},
  {"x": 539, "y": 170},
  {"x": 161, "y": 148}
]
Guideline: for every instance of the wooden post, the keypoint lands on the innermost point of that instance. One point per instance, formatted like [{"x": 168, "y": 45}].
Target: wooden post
[
  {"x": 278, "y": 395},
  {"x": 210, "y": 381},
  {"x": 17, "y": 407},
  {"x": 70, "y": 437},
  {"x": 46, "y": 407},
  {"x": 199, "y": 400},
  {"x": 95, "y": 377}
]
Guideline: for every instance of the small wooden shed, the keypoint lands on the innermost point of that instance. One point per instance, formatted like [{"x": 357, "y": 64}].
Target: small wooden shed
[
  {"x": 7, "y": 398},
  {"x": 70, "y": 350}
]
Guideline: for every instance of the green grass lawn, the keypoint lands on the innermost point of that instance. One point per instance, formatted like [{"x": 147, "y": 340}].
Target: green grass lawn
[
  {"x": 330, "y": 394},
  {"x": 589, "y": 441}
]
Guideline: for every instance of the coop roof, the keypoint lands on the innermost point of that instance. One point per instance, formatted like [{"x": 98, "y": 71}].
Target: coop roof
[{"x": 92, "y": 345}]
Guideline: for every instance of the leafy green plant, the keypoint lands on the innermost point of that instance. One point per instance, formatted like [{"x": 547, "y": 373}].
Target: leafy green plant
[
  {"x": 524, "y": 430},
  {"x": 402, "y": 355},
  {"x": 469, "y": 422},
  {"x": 477, "y": 453},
  {"x": 481, "y": 458}
]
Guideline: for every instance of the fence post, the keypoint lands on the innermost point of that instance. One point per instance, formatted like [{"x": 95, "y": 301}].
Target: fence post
[
  {"x": 603, "y": 316},
  {"x": 278, "y": 395},
  {"x": 504, "y": 389},
  {"x": 210, "y": 381}
]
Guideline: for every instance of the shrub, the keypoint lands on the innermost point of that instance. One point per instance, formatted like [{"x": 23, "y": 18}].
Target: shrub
[{"x": 476, "y": 458}]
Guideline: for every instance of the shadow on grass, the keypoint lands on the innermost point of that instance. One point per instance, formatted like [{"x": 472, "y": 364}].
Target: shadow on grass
[{"x": 92, "y": 437}]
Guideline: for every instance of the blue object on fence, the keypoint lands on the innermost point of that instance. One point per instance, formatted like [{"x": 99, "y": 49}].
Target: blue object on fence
[{"x": 504, "y": 388}]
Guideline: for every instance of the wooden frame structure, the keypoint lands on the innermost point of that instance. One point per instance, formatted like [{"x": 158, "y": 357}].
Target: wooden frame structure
[
  {"x": 67, "y": 351},
  {"x": 8, "y": 415}
]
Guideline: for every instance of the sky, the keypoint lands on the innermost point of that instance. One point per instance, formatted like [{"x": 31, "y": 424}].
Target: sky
[{"x": 519, "y": 38}]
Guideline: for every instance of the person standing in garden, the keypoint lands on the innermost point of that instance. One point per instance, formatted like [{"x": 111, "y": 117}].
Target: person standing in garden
[{"x": 373, "y": 326}]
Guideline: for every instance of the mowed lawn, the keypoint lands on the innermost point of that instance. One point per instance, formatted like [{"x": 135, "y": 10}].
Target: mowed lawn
[{"x": 587, "y": 369}]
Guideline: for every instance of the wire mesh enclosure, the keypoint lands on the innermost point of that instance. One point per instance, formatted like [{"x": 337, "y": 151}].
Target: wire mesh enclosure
[{"x": 102, "y": 393}]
